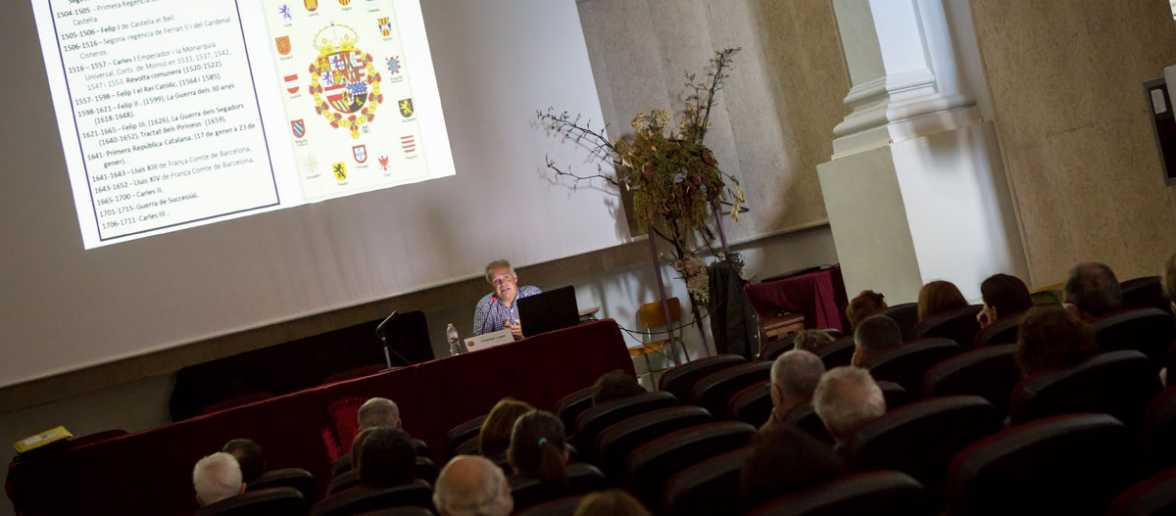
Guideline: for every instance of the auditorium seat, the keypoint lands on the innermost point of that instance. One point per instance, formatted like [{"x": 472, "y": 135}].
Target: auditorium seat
[
  {"x": 569, "y": 407},
  {"x": 581, "y": 479},
  {"x": 708, "y": 487},
  {"x": 471, "y": 446},
  {"x": 650, "y": 465},
  {"x": 713, "y": 390},
  {"x": 679, "y": 380},
  {"x": 360, "y": 499},
  {"x": 1001, "y": 332},
  {"x": 776, "y": 347},
  {"x": 907, "y": 364},
  {"x": 594, "y": 420},
  {"x": 278, "y": 501},
  {"x": 1145, "y": 292},
  {"x": 895, "y": 395},
  {"x": 1155, "y": 496},
  {"x": 616, "y": 441},
  {"x": 1119, "y": 383},
  {"x": 1148, "y": 330},
  {"x": 959, "y": 325},
  {"x": 877, "y": 493},
  {"x": 421, "y": 447},
  {"x": 565, "y": 506},
  {"x": 989, "y": 372},
  {"x": 752, "y": 404},
  {"x": 400, "y": 511},
  {"x": 806, "y": 419},
  {"x": 425, "y": 469},
  {"x": 1159, "y": 428},
  {"x": 920, "y": 439},
  {"x": 1072, "y": 465},
  {"x": 837, "y": 353},
  {"x": 297, "y": 478},
  {"x": 463, "y": 432},
  {"x": 907, "y": 317}
]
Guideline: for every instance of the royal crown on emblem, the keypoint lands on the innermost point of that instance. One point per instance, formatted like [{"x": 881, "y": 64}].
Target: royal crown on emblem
[{"x": 335, "y": 38}]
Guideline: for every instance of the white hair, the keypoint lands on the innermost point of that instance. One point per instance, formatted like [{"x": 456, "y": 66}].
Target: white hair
[
  {"x": 378, "y": 413},
  {"x": 216, "y": 477},
  {"x": 797, "y": 372},
  {"x": 472, "y": 486},
  {"x": 847, "y": 398}
]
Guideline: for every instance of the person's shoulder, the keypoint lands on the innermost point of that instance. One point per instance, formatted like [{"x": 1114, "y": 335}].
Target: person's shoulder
[{"x": 485, "y": 300}]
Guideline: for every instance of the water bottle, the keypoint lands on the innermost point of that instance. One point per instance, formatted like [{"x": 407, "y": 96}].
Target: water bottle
[{"x": 455, "y": 347}]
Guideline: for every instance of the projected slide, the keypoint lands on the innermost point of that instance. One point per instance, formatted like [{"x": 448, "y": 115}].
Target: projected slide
[{"x": 177, "y": 113}]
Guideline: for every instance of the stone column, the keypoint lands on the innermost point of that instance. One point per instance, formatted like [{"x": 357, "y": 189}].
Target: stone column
[{"x": 915, "y": 188}]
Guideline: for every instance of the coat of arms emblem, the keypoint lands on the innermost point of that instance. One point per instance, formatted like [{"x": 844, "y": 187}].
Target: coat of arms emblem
[{"x": 344, "y": 81}]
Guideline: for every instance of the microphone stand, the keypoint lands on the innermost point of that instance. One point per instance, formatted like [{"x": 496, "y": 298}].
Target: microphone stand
[{"x": 382, "y": 335}]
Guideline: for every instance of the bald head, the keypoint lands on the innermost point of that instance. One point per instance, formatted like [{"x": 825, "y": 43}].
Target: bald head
[
  {"x": 379, "y": 413},
  {"x": 472, "y": 486},
  {"x": 847, "y": 398}
]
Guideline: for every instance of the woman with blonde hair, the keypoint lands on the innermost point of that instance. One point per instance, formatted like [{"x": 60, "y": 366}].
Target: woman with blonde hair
[
  {"x": 494, "y": 437},
  {"x": 939, "y": 297}
]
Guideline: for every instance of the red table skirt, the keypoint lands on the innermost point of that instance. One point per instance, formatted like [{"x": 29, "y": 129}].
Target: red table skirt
[
  {"x": 150, "y": 472},
  {"x": 819, "y": 296}
]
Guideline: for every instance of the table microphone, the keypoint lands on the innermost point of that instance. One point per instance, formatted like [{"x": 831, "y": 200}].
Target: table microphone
[{"x": 388, "y": 352}]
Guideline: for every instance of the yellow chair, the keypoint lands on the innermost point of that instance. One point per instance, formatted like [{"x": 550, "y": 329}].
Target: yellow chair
[{"x": 658, "y": 335}]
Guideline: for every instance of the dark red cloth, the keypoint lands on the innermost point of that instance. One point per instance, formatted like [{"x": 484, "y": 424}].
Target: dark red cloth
[
  {"x": 151, "y": 472},
  {"x": 819, "y": 296}
]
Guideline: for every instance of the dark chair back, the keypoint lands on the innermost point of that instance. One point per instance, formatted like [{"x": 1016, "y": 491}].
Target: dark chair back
[
  {"x": 1155, "y": 496},
  {"x": 1159, "y": 428},
  {"x": 1147, "y": 330},
  {"x": 680, "y": 380},
  {"x": 343, "y": 481},
  {"x": 879, "y": 493},
  {"x": 959, "y": 325},
  {"x": 752, "y": 404},
  {"x": 463, "y": 432},
  {"x": 1000, "y": 332},
  {"x": 581, "y": 479},
  {"x": 1119, "y": 383},
  {"x": 650, "y": 465},
  {"x": 569, "y": 407},
  {"x": 806, "y": 419},
  {"x": 426, "y": 469},
  {"x": 297, "y": 478},
  {"x": 565, "y": 506},
  {"x": 907, "y": 317},
  {"x": 1145, "y": 292},
  {"x": 616, "y": 442},
  {"x": 837, "y": 353},
  {"x": 421, "y": 447},
  {"x": 776, "y": 347},
  {"x": 707, "y": 488},
  {"x": 713, "y": 390},
  {"x": 1071, "y": 465},
  {"x": 920, "y": 439},
  {"x": 278, "y": 501},
  {"x": 894, "y": 394},
  {"x": 471, "y": 446},
  {"x": 907, "y": 364},
  {"x": 990, "y": 372},
  {"x": 361, "y": 499},
  {"x": 594, "y": 420}
]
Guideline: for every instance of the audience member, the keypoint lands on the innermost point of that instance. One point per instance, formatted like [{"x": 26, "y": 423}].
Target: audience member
[
  {"x": 939, "y": 297},
  {"x": 846, "y": 399},
  {"x": 615, "y": 385},
  {"x": 1093, "y": 291},
  {"x": 794, "y": 378},
  {"x": 374, "y": 413},
  {"x": 811, "y": 340},
  {"x": 472, "y": 486},
  {"x": 538, "y": 448},
  {"x": 217, "y": 477},
  {"x": 356, "y": 445},
  {"x": 866, "y": 304},
  {"x": 784, "y": 460},
  {"x": 613, "y": 502},
  {"x": 494, "y": 438},
  {"x": 249, "y": 456},
  {"x": 386, "y": 458},
  {"x": 1170, "y": 281},
  {"x": 1004, "y": 296},
  {"x": 1053, "y": 338},
  {"x": 873, "y": 338}
]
